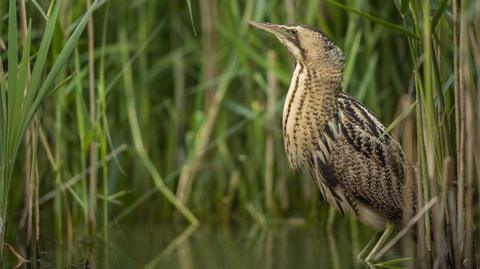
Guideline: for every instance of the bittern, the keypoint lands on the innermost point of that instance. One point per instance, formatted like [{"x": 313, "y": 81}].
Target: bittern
[{"x": 356, "y": 164}]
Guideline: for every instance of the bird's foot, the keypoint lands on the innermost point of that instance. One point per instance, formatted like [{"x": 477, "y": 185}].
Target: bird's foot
[{"x": 372, "y": 256}]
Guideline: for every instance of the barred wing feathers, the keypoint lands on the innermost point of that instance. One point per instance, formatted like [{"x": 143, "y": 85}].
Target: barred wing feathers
[{"x": 358, "y": 165}]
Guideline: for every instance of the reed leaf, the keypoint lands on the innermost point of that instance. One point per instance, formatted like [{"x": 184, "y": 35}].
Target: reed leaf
[
  {"x": 23, "y": 96},
  {"x": 382, "y": 22}
]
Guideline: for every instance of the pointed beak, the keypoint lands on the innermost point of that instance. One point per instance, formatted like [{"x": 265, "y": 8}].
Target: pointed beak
[{"x": 274, "y": 29}]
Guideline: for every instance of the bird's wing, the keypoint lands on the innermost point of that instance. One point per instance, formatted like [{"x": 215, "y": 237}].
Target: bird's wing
[
  {"x": 359, "y": 162},
  {"x": 368, "y": 131}
]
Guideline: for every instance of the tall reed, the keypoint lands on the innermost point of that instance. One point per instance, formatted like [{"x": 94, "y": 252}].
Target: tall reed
[{"x": 21, "y": 95}]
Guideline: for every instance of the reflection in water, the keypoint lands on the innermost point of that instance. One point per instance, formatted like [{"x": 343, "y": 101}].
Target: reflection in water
[
  {"x": 212, "y": 247},
  {"x": 216, "y": 246}
]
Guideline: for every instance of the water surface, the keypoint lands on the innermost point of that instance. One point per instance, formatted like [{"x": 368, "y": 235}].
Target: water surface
[
  {"x": 234, "y": 246},
  {"x": 219, "y": 246}
]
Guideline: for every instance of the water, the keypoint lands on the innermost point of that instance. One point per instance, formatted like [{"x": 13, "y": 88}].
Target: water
[
  {"x": 219, "y": 247},
  {"x": 210, "y": 246}
]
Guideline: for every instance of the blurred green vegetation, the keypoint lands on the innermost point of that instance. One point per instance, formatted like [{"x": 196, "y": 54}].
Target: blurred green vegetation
[{"x": 171, "y": 110}]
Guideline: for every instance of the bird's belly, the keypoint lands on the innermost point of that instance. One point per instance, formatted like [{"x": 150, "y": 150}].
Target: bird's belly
[
  {"x": 371, "y": 218},
  {"x": 366, "y": 215}
]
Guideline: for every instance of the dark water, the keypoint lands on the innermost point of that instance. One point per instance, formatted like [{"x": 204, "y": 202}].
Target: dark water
[{"x": 220, "y": 246}]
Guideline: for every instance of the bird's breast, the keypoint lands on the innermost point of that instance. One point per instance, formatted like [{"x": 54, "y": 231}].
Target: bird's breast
[
  {"x": 308, "y": 106},
  {"x": 292, "y": 116},
  {"x": 290, "y": 108}
]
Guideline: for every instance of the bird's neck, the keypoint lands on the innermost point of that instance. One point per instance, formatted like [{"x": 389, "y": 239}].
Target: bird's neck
[
  {"x": 310, "y": 103},
  {"x": 311, "y": 88}
]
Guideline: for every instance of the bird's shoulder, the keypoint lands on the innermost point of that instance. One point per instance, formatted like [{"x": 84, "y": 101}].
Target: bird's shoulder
[{"x": 365, "y": 133}]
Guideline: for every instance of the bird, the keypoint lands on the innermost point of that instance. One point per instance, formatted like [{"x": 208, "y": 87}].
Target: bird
[{"x": 356, "y": 164}]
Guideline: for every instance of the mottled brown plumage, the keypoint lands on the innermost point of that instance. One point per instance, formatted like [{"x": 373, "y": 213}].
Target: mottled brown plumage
[{"x": 356, "y": 164}]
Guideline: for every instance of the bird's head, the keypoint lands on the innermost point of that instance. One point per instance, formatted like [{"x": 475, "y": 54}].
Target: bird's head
[{"x": 307, "y": 45}]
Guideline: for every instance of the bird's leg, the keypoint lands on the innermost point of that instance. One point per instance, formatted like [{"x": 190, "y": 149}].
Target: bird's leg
[
  {"x": 368, "y": 246},
  {"x": 380, "y": 242}
]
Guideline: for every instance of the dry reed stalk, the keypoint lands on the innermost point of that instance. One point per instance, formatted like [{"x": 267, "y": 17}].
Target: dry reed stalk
[
  {"x": 26, "y": 169},
  {"x": 290, "y": 9},
  {"x": 33, "y": 212},
  {"x": 190, "y": 168},
  {"x": 477, "y": 154},
  {"x": 459, "y": 49},
  {"x": 421, "y": 240},
  {"x": 454, "y": 230},
  {"x": 439, "y": 236},
  {"x": 469, "y": 121},
  {"x": 469, "y": 254},
  {"x": 29, "y": 195},
  {"x": 2, "y": 214},
  {"x": 208, "y": 11},
  {"x": 36, "y": 189},
  {"x": 448, "y": 177},
  {"x": 468, "y": 80},
  {"x": 452, "y": 210},
  {"x": 23, "y": 27},
  {"x": 270, "y": 140},
  {"x": 46, "y": 147},
  {"x": 36, "y": 196},
  {"x": 437, "y": 226},
  {"x": 409, "y": 145},
  {"x": 209, "y": 15},
  {"x": 180, "y": 108},
  {"x": 475, "y": 45}
]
